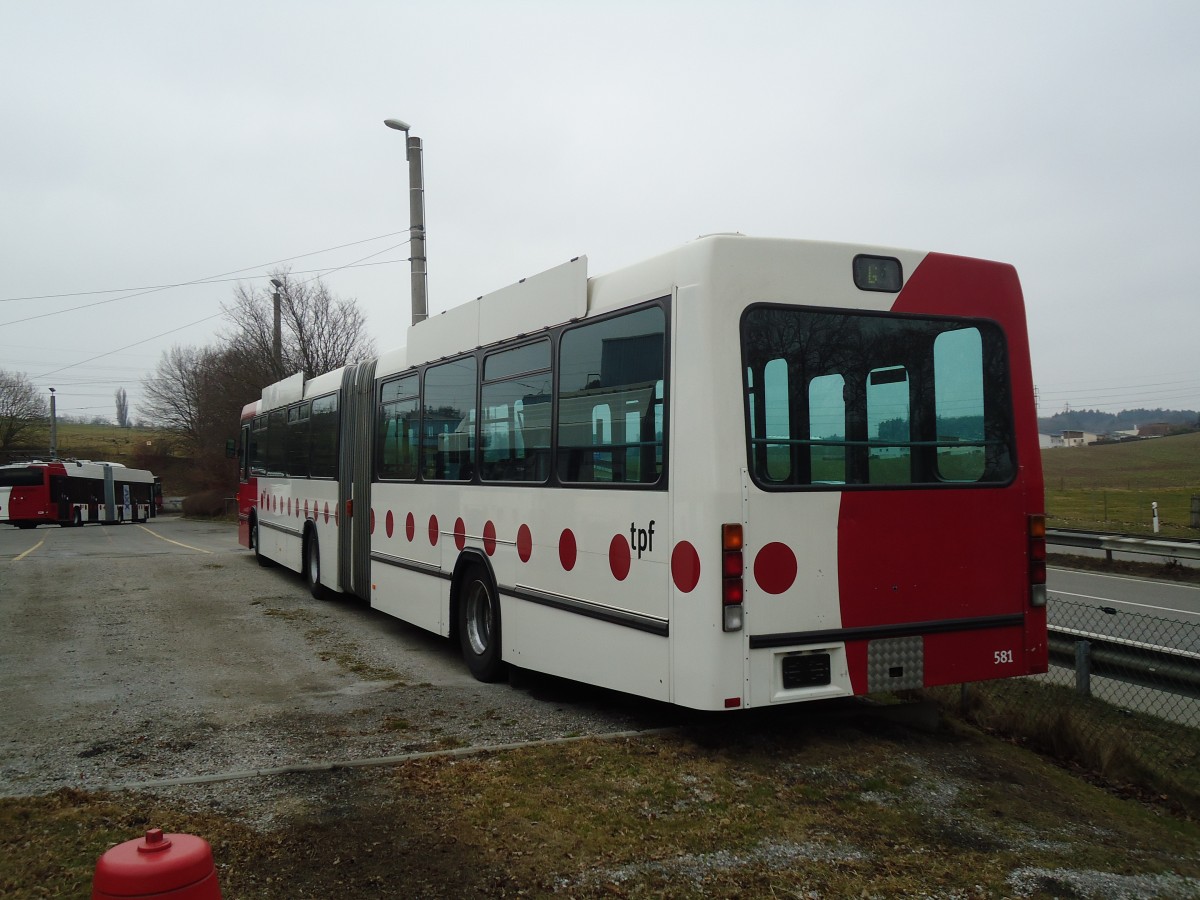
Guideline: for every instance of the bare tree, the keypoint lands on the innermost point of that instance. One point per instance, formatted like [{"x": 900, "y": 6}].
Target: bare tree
[
  {"x": 21, "y": 407},
  {"x": 320, "y": 332},
  {"x": 122, "y": 408},
  {"x": 174, "y": 392}
]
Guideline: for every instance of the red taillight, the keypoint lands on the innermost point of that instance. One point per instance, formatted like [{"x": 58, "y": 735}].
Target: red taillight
[
  {"x": 1037, "y": 560},
  {"x": 732, "y": 566}
]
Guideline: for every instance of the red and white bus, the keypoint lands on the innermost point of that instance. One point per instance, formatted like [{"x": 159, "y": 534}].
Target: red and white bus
[
  {"x": 76, "y": 492},
  {"x": 745, "y": 472}
]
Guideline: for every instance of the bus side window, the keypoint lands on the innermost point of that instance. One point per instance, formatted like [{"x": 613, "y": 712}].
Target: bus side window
[{"x": 610, "y": 390}]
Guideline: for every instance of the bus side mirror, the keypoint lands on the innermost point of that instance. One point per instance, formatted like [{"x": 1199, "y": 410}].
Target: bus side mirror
[{"x": 231, "y": 449}]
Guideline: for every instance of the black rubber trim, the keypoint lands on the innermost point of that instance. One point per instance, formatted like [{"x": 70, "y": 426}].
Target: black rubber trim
[
  {"x": 411, "y": 565},
  {"x": 294, "y": 532},
  {"x": 633, "y": 620},
  {"x": 875, "y": 632}
]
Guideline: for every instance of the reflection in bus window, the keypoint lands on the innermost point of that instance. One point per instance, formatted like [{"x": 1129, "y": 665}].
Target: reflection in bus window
[
  {"x": 448, "y": 442},
  {"x": 515, "y": 421},
  {"x": 888, "y": 427},
  {"x": 853, "y": 398},
  {"x": 399, "y": 428},
  {"x": 605, "y": 366},
  {"x": 958, "y": 401}
]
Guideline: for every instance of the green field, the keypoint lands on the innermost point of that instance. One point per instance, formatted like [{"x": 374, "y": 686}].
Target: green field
[
  {"x": 1111, "y": 487},
  {"x": 1106, "y": 488}
]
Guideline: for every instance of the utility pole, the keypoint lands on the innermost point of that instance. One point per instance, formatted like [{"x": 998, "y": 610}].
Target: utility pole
[
  {"x": 416, "y": 221},
  {"x": 53, "y": 427}
]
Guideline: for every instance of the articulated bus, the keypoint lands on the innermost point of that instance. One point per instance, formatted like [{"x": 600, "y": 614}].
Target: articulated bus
[
  {"x": 76, "y": 492},
  {"x": 742, "y": 473}
]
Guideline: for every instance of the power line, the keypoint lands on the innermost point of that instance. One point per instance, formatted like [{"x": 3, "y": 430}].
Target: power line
[
  {"x": 213, "y": 278},
  {"x": 127, "y": 346}
]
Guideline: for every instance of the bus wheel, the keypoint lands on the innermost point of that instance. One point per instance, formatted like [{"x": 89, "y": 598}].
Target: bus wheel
[
  {"x": 78, "y": 520},
  {"x": 312, "y": 568},
  {"x": 479, "y": 625},
  {"x": 27, "y": 524},
  {"x": 256, "y": 540}
]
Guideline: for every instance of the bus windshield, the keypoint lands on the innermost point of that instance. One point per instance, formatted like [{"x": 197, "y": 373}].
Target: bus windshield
[{"x": 840, "y": 398}]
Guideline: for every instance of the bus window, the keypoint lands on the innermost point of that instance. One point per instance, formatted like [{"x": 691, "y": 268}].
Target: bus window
[
  {"x": 399, "y": 429},
  {"x": 514, "y": 428},
  {"x": 323, "y": 438},
  {"x": 827, "y": 428},
  {"x": 888, "y": 427},
  {"x": 610, "y": 389},
  {"x": 958, "y": 402},
  {"x": 449, "y": 421},
  {"x": 852, "y": 398}
]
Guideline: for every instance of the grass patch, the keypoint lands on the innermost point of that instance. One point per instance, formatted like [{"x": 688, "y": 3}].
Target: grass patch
[
  {"x": 781, "y": 805},
  {"x": 1131, "y": 752},
  {"x": 1111, "y": 487}
]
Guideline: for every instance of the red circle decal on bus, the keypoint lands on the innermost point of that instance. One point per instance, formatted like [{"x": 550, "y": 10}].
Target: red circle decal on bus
[
  {"x": 433, "y": 531},
  {"x": 389, "y": 523},
  {"x": 327, "y": 512},
  {"x": 775, "y": 568},
  {"x": 306, "y": 509},
  {"x": 524, "y": 543},
  {"x": 618, "y": 557},
  {"x": 410, "y": 527},
  {"x": 489, "y": 538},
  {"x": 372, "y": 521},
  {"x": 460, "y": 533},
  {"x": 567, "y": 549},
  {"x": 685, "y": 567}
]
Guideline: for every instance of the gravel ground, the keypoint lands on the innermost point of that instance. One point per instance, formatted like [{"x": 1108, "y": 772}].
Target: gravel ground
[{"x": 126, "y": 659}]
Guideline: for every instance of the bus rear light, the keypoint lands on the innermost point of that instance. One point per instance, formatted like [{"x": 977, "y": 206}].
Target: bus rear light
[
  {"x": 731, "y": 536},
  {"x": 1037, "y": 560},
  {"x": 732, "y": 566}
]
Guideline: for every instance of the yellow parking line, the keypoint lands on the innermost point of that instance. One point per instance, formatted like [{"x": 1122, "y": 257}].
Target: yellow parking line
[
  {"x": 169, "y": 541},
  {"x": 30, "y": 550}
]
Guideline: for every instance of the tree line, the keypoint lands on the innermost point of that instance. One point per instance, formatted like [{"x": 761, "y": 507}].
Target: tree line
[{"x": 196, "y": 393}]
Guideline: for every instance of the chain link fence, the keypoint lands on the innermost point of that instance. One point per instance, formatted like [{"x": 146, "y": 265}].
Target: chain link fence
[{"x": 1121, "y": 698}]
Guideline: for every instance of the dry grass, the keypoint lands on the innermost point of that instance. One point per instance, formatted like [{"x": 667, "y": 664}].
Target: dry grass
[{"x": 778, "y": 805}]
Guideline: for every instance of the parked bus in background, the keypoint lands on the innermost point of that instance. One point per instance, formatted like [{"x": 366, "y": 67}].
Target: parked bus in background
[
  {"x": 247, "y": 493},
  {"x": 76, "y": 492},
  {"x": 745, "y": 472}
]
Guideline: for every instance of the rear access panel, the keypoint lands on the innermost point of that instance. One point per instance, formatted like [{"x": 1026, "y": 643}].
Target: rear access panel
[{"x": 895, "y": 664}]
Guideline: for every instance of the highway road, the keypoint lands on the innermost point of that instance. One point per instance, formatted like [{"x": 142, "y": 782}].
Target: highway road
[{"x": 1162, "y": 613}]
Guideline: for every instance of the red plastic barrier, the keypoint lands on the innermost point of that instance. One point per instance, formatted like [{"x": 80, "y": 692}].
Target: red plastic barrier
[{"x": 174, "y": 866}]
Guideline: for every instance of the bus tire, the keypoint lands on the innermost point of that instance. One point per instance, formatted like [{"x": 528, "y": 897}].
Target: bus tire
[
  {"x": 312, "y": 567},
  {"x": 479, "y": 625},
  {"x": 77, "y": 520},
  {"x": 256, "y": 540}
]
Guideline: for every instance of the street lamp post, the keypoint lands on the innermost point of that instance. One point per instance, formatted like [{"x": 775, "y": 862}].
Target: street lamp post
[
  {"x": 53, "y": 427},
  {"x": 277, "y": 334},
  {"x": 416, "y": 221}
]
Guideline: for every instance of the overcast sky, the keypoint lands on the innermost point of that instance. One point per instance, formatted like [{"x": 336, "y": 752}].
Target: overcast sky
[{"x": 155, "y": 143}]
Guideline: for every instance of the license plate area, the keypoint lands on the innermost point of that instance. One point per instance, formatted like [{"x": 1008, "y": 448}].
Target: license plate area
[{"x": 800, "y": 670}]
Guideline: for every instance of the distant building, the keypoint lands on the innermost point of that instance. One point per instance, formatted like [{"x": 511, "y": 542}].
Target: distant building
[
  {"x": 1158, "y": 429},
  {"x": 1072, "y": 439}
]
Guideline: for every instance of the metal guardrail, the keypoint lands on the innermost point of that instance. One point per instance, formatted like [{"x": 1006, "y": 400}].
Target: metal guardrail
[
  {"x": 1161, "y": 668},
  {"x": 1122, "y": 544}
]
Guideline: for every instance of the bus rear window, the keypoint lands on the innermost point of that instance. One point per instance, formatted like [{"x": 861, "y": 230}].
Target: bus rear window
[{"x": 837, "y": 398}]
